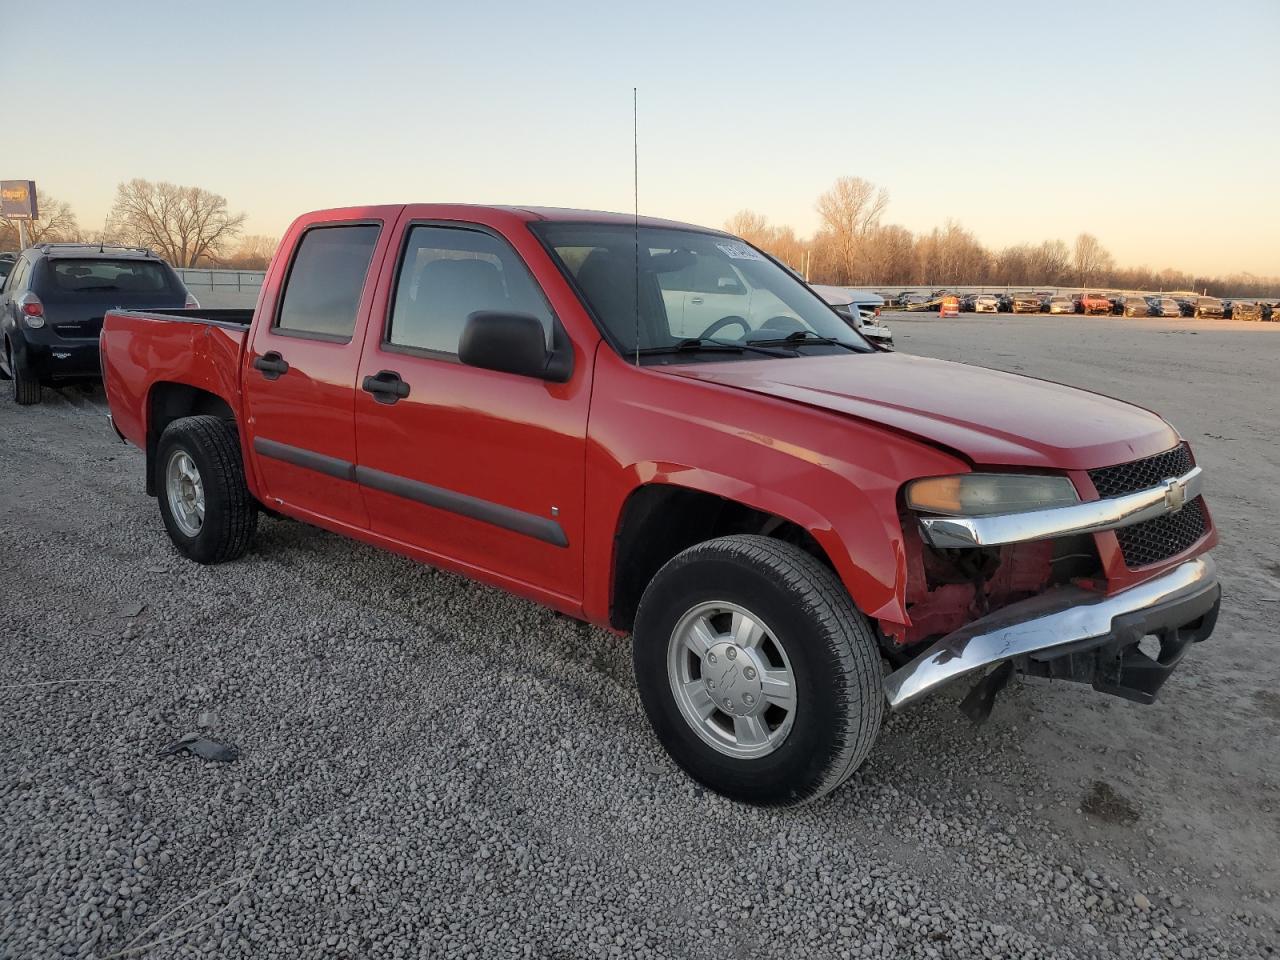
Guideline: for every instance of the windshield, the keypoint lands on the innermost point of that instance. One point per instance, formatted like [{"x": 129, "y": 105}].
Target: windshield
[{"x": 693, "y": 286}]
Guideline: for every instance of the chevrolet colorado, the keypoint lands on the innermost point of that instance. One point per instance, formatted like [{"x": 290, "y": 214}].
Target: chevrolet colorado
[{"x": 798, "y": 529}]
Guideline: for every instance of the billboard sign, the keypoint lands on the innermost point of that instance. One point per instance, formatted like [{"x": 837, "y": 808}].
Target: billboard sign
[{"x": 18, "y": 200}]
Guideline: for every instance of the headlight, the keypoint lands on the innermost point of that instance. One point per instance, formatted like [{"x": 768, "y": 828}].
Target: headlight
[{"x": 983, "y": 494}]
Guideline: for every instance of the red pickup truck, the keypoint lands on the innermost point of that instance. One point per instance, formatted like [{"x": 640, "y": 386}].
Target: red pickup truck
[{"x": 659, "y": 429}]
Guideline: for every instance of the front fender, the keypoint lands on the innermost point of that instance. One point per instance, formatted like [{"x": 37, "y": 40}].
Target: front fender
[{"x": 834, "y": 477}]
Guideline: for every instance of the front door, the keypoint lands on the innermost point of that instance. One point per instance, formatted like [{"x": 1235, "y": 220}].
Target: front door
[
  {"x": 482, "y": 470},
  {"x": 299, "y": 381}
]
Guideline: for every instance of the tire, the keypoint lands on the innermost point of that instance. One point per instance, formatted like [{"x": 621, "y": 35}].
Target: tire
[
  {"x": 26, "y": 388},
  {"x": 222, "y": 526},
  {"x": 827, "y": 647}
]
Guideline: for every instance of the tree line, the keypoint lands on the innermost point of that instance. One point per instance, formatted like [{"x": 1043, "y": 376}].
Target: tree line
[
  {"x": 188, "y": 226},
  {"x": 194, "y": 227},
  {"x": 854, "y": 247}
]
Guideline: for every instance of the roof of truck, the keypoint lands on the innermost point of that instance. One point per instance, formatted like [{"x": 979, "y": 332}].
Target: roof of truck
[{"x": 571, "y": 215}]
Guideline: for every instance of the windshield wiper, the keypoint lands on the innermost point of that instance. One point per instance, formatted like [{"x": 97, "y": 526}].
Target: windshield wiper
[
  {"x": 102, "y": 286},
  {"x": 705, "y": 345},
  {"x": 807, "y": 337}
]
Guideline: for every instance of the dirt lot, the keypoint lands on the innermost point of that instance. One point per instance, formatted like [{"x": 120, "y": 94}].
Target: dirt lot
[{"x": 430, "y": 768}]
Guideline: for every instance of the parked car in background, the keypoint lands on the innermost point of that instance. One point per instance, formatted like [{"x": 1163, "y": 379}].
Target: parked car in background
[
  {"x": 1245, "y": 310},
  {"x": 1270, "y": 312},
  {"x": 919, "y": 303},
  {"x": 1186, "y": 306},
  {"x": 986, "y": 303},
  {"x": 1005, "y": 301},
  {"x": 1095, "y": 304},
  {"x": 1024, "y": 303},
  {"x": 1133, "y": 307},
  {"x": 773, "y": 510},
  {"x": 860, "y": 310},
  {"x": 1208, "y": 307},
  {"x": 53, "y": 301},
  {"x": 1163, "y": 307},
  {"x": 1061, "y": 304},
  {"x": 1227, "y": 306}
]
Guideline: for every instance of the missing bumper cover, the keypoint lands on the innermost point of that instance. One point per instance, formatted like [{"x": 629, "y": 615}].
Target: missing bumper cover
[{"x": 1078, "y": 635}]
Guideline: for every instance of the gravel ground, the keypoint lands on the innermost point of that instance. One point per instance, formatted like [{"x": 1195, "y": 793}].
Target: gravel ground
[{"x": 431, "y": 768}]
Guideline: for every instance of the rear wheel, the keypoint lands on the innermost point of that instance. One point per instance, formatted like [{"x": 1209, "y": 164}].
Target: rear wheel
[
  {"x": 760, "y": 677},
  {"x": 26, "y": 388},
  {"x": 204, "y": 501}
]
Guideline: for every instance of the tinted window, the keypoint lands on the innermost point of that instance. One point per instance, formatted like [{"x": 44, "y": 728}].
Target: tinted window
[
  {"x": 325, "y": 282},
  {"x": 446, "y": 275},
  {"x": 106, "y": 276}
]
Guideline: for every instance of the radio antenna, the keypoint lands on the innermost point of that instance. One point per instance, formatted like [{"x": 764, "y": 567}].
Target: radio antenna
[{"x": 635, "y": 188}]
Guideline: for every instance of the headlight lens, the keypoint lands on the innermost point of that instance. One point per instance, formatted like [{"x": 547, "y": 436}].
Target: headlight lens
[{"x": 983, "y": 494}]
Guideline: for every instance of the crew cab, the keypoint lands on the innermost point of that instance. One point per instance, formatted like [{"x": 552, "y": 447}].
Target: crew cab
[{"x": 798, "y": 529}]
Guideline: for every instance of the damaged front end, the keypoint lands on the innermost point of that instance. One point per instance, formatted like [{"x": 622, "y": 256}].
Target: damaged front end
[{"x": 991, "y": 592}]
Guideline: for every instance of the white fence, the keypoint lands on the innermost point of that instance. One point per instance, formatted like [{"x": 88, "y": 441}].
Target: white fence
[{"x": 223, "y": 288}]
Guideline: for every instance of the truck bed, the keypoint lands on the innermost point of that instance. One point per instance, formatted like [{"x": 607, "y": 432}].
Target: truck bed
[{"x": 142, "y": 350}]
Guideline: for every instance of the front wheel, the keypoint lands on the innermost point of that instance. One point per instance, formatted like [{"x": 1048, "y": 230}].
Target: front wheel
[
  {"x": 760, "y": 677},
  {"x": 204, "y": 501}
]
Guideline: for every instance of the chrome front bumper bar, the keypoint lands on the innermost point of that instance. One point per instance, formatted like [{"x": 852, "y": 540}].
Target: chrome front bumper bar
[
  {"x": 1059, "y": 623},
  {"x": 1092, "y": 517}
]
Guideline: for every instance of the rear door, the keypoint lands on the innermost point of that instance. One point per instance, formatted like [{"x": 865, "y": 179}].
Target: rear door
[
  {"x": 478, "y": 468},
  {"x": 300, "y": 373}
]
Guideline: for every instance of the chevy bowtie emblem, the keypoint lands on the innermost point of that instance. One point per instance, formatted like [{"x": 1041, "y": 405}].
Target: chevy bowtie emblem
[{"x": 1175, "y": 494}]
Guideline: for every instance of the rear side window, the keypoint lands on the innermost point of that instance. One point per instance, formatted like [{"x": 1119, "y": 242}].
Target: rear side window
[
  {"x": 449, "y": 273},
  {"x": 322, "y": 292},
  {"x": 106, "y": 276}
]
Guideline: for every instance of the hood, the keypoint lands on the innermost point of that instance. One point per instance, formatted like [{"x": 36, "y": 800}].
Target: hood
[{"x": 989, "y": 417}]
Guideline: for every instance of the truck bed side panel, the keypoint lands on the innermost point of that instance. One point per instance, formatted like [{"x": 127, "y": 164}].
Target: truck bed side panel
[{"x": 141, "y": 350}]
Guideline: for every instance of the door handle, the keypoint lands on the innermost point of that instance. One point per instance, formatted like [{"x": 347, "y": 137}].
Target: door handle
[
  {"x": 272, "y": 365},
  {"x": 695, "y": 299},
  {"x": 385, "y": 386}
]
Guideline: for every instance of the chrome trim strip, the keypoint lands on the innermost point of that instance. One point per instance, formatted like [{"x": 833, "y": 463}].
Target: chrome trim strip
[
  {"x": 1091, "y": 517},
  {"x": 1058, "y": 618}
]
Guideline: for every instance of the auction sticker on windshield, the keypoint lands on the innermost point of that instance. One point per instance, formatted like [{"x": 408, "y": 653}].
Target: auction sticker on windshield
[{"x": 738, "y": 251}]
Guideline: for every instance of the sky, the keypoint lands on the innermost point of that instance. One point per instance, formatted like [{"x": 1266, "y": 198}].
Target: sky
[{"x": 1154, "y": 125}]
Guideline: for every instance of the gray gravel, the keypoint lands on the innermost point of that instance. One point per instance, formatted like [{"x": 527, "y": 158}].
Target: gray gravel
[{"x": 430, "y": 768}]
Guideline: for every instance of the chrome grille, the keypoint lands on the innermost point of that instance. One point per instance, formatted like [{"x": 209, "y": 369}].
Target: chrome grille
[
  {"x": 1142, "y": 474},
  {"x": 1154, "y": 540}
]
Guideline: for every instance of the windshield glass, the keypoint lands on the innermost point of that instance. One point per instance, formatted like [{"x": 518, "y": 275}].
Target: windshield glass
[
  {"x": 109, "y": 276},
  {"x": 693, "y": 285}
]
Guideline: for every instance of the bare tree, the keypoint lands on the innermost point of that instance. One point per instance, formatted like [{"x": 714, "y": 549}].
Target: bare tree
[
  {"x": 951, "y": 255},
  {"x": 57, "y": 224},
  {"x": 750, "y": 226},
  {"x": 849, "y": 211},
  {"x": 889, "y": 255},
  {"x": 780, "y": 242},
  {"x": 185, "y": 224},
  {"x": 1051, "y": 262},
  {"x": 1091, "y": 259},
  {"x": 253, "y": 252}
]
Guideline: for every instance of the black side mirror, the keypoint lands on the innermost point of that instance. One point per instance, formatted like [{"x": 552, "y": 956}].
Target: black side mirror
[{"x": 514, "y": 343}]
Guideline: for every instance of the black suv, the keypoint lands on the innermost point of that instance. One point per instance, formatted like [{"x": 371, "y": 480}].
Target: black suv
[{"x": 53, "y": 300}]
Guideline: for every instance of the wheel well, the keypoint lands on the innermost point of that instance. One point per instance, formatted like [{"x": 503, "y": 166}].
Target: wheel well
[
  {"x": 660, "y": 520},
  {"x": 173, "y": 401}
]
